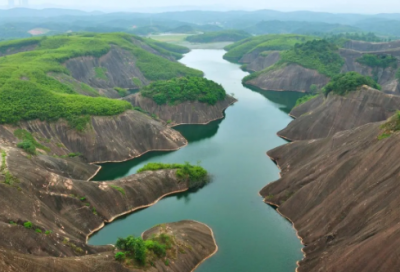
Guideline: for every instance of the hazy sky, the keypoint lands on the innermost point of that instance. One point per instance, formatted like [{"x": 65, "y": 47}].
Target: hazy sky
[{"x": 346, "y": 6}]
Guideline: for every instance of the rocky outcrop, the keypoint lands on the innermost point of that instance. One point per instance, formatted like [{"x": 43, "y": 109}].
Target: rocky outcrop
[
  {"x": 53, "y": 194},
  {"x": 322, "y": 117},
  {"x": 197, "y": 244},
  {"x": 256, "y": 61},
  {"x": 105, "y": 139},
  {"x": 291, "y": 77},
  {"x": 118, "y": 69},
  {"x": 183, "y": 113},
  {"x": 341, "y": 193}
]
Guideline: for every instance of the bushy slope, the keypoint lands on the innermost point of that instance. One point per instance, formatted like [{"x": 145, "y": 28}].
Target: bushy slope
[
  {"x": 27, "y": 92},
  {"x": 179, "y": 90},
  {"x": 262, "y": 43},
  {"x": 219, "y": 36}
]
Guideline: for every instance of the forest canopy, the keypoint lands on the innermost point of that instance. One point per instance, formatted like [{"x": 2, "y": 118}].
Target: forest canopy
[{"x": 178, "y": 90}]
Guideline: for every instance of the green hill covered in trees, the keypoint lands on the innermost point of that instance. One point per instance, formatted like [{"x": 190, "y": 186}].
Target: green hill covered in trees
[
  {"x": 27, "y": 91},
  {"x": 219, "y": 36},
  {"x": 263, "y": 43},
  {"x": 178, "y": 90}
]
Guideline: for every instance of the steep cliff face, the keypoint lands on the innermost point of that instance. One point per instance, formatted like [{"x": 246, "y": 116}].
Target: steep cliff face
[
  {"x": 118, "y": 69},
  {"x": 183, "y": 113},
  {"x": 256, "y": 62},
  {"x": 53, "y": 194},
  {"x": 323, "y": 117},
  {"x": 386, "y": 77},
  {"x": 291, "y": 77},
  {"x": 105, "y": 139},
  {"x": 341, "y": 193}
]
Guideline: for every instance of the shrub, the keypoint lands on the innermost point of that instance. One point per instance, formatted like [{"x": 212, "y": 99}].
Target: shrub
[
  {"x": 27, "y": 146},
  {"x": 348, "y": 82},
  {"x": 195, "y": 175},
  {"x": 28, "y": 225},
  {"x": 120, "y": 256},
  {"x": 48, "y": 232},
  {"x": 38, "y": 230},
  {"x": 383, "y": 61}
]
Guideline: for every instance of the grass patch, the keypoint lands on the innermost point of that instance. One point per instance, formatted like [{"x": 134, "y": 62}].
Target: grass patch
[
  {"x": 179, "y": 90},
  {"x": 101, "y": 73},
  {"x": 121, "y": 91},
  {"x": 305, "y": 98},
  {"x": 29, "y": 144},
  {"x": 390, "y": 127},
  {"x": 119, "y": 189},
  {"x": 195, "y": 175}
]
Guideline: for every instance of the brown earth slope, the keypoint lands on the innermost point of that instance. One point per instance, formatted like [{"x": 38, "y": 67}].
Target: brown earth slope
[
  {"x": 341, "y": 193},
  {"x": 53, "y": 194},
  {"x": 183, "y": 113},
  {"x": 115, "y": 138},
  {"x": 256, "y": 61},
  {"x": 291, "y": 77},
  {"x": 322, "y": 117}
]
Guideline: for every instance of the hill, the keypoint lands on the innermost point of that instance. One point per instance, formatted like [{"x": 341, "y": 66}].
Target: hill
[
  {"x": 219, "y": 36},
  {"x": 48, "y": 80}
]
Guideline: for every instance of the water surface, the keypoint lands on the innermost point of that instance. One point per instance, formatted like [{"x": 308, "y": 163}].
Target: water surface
[{"x": 251, "y": 235}]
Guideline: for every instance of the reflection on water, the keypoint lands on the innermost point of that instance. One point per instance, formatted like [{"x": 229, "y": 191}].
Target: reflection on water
[
  {"x": 285, "y": 101},
  {"x": 112, "y": 171},
  {"x": 196, "y": 133}
]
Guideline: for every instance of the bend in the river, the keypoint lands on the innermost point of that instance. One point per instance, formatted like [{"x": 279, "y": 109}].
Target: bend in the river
[{"x": 251, "y": 235}]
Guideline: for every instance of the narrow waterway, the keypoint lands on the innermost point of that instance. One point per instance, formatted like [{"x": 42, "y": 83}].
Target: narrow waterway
[{"x": 251, "y": 235}]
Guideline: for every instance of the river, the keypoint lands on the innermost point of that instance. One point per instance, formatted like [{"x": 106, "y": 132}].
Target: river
[{"x": 251, "y": 235}]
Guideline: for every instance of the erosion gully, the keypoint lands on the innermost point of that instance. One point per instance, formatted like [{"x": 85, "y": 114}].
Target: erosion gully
[{"x": 251, "y": 235}]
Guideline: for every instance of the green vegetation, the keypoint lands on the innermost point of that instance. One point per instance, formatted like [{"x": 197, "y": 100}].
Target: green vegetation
[
  {"x": 17, "y": 44},
  {"x": 179, "y": 90},
  {"x": 101, "y": 73},
  {"x": 348, "y": 82},
  {"x": 144, "y": 252},
  {"x": 28, "y": 225},
  {"x": 73, "y": 155},
  {"x": 119, "y": 189},
  {"x": 3, "y": 161},
  {"x": 263, "y": 43},
  {"x": 48, "y": 232},
  {"x": 341, "y": 39},
  {"x": 195, "y": 175},
  {"x": 219, "y": 36},
  {"x": 28, "y": 92},
  {"x": 381, "y": 61},
  {"x": 304, "y": 99},
  {"x": 390, "y": 127},
  {"x": 38, "y": 230},
  {"x": 29, "y": 144},
  {"x": 121, "y": 91},
  {"x": 318, "y": 55}
]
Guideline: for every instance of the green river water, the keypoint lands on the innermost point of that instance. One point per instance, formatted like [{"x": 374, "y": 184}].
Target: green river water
[{"x": 251, "y": 235}]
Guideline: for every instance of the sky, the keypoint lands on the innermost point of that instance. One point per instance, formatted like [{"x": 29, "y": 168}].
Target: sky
[{"x": 335, "y": 6}]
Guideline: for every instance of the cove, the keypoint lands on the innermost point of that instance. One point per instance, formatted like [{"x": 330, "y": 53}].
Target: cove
[{"x": 251, "y": 235}]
